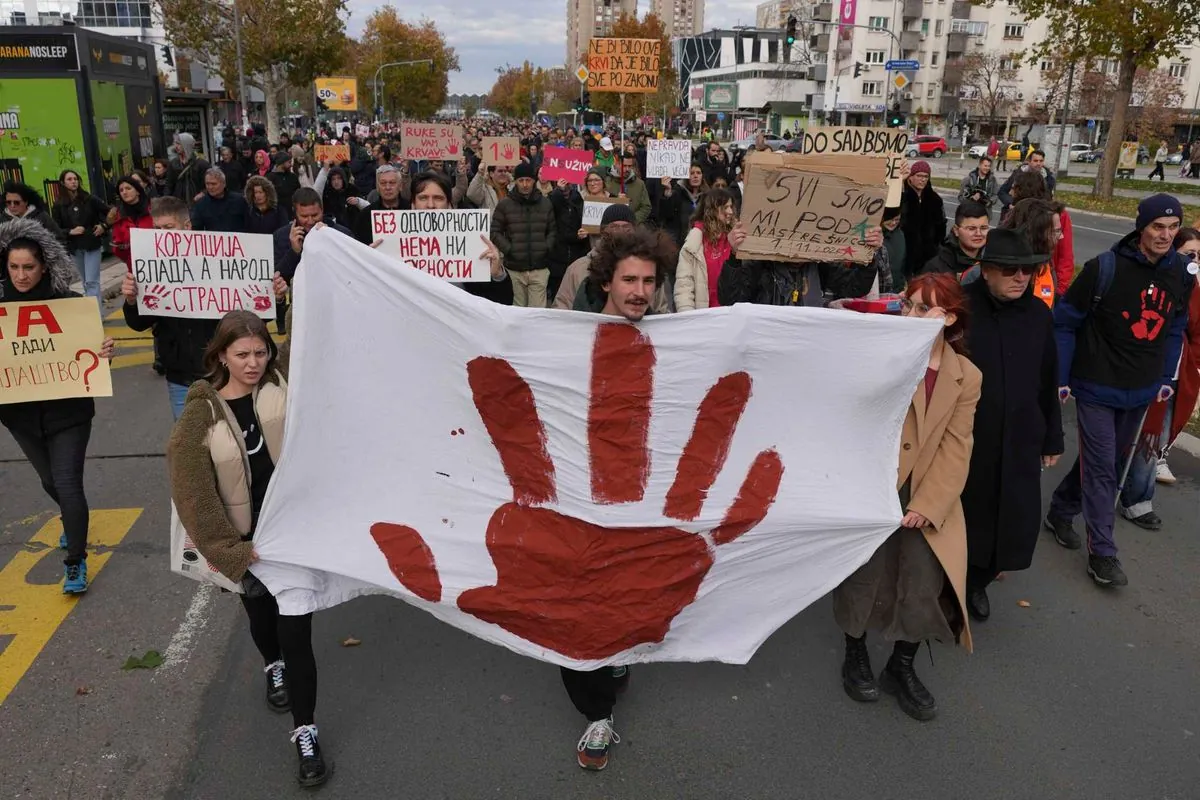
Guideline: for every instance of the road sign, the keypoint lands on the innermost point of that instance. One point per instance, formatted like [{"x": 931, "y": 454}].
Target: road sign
[
  {"x": 582, "y": 73},
  {"x": 900, "y": 80},
  {"x": 1091, "y": 123},
  {"x": 896, "y": 64},
  {"x": 721, "y": 116}
]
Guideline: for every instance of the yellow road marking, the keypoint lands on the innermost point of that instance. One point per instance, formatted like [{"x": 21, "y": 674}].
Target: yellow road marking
[
  {"x": 31, "y": 613},
  {"x": 141, "y": 358}
]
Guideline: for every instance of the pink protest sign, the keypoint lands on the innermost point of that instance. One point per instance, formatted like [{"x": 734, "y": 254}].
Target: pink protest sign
[
  {"x": 566, "y": 164},
  {"x": 420, "y": 141}
]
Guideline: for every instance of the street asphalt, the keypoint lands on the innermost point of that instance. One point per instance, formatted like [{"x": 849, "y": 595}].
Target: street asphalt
[{"x": 1084, "y": 693}]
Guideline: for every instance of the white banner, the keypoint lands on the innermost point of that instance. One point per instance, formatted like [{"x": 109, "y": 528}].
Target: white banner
[
  {"x": 203, "y": 275},
  {"x": 668, "y": 158},
  {"x": 447, "y": 244},
  {"x": 570, "y": 486}
]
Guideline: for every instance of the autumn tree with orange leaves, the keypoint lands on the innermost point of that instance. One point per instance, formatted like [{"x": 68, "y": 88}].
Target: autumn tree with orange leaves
[
  {"x": 636, "y": 104},
  {"x": 404, "y": 91}
]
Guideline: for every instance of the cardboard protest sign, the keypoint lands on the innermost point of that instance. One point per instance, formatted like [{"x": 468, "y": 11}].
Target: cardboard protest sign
[
  {"x": 337, "y": 153},
  {"x": 49, "y": 350},
  {"x": 887, "y": 143},
  {"x": 362, "y": 131},
  {"x": 446, "y": 243},
  {"x": 562, "y": 163},
  {"x": 1127, "y": 160},
  {"x": 593, "y": 212},
  {"x": 623, "y": 65},
  {"x": 500, "y": 151},
  {"x": 668, "y": 158},
  {"x": 811, "y": 208},
  {"x": 423, "y": 141},
  {"x": 202, "y": 274}
]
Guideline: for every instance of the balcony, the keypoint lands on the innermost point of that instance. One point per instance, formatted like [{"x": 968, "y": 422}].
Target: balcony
[
  {"x": 956, "y": 43},
  {"x": 913, "y": 9},
  {"x": 819, "y": 72},
  {"x": 910, "y": 40},
  {"x": 960, "y": 9},
  {"x": 953, "y": 72},
  {"x": 820, "y": 42},
  {"x": 823, "y": 12}
]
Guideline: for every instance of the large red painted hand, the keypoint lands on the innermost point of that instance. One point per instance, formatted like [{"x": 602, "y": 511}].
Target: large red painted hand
[
  {"x": 583, "y": 590},
  {"x": 1156, "y": 304}
]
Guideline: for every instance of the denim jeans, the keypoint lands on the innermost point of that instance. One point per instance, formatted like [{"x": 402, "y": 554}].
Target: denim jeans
[
  {"x": 178, "y": 393},
  {"x": 58, "y": 460},
  {"x": 1138, "y": 495},
  {"x": 88, "y": 264}
]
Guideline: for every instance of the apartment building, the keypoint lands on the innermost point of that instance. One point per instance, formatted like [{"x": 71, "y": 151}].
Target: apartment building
[
  {"x": 680, "y": 17},
  {"x": 588, "y": 18},
  {"x": 774, "y": 13}
]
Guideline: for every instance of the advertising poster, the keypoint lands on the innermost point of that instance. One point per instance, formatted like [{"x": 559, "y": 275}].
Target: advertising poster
[
  {"x": 40, "y": 131},
  {"x": 338, "y": 94},
  {"x": 145, "y": 130},
  {"x": 112, "y": 130}
]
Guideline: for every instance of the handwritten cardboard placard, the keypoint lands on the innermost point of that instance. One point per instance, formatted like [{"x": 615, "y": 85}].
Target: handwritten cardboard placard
[
  {"x": 563, "y": 163},
  {"x": 362, "y": 131},
  {"x": 811, "y": 208},
  {"x": 500, "y": 151},
  {"x": 337, "y": 153},
  {"x": 202, "y": 274},
  {"x": 623, "y": 65},
  {"x": 668, "y": 158},
  {"x": 593, "y": 212},
  {"x": 423, "y": 141},
  {"x": 446, "y": 244},
  {"x": 887, "y": 143},
  {"x": 49, "y": 350}
]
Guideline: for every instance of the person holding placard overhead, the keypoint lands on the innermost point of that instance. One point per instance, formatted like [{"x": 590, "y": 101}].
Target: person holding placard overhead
[
  {"x": 678, "y": 200},
  {"x": 53, "y": 434}
]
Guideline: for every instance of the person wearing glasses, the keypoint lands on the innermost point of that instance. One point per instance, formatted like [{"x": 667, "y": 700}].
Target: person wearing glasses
[
  {"x": 899, "y": 591},
  {"x": 1018, "y": 422},
  {"x": 21, "y": 201},
  {"x": 960, "y": 251},
  {"x": 387, "y": 183}
]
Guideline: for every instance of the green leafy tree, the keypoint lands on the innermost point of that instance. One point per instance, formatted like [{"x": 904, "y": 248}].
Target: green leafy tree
[{"x": 415, "y": 90}]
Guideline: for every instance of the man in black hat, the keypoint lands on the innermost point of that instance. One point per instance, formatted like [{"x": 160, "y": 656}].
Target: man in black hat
[
  {"x": 1130, "y": 303},
  {"x": 1018, "y": 421},
  {"x": 523, "y": 229},
  {"x": 285, "y": 181}
]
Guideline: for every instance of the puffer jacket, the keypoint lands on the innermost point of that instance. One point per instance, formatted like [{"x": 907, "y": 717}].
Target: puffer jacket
[
  {"x": 42, "y": 418},
  {"x": 568, "y": 217},
  {"x": 523, "y": 229},
  {"x": 210, "y": 470},
  {"x": 81, "y": 211}
]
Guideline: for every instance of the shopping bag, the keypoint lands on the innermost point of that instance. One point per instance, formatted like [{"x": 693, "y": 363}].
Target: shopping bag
[{"x": 186, "y": 560}]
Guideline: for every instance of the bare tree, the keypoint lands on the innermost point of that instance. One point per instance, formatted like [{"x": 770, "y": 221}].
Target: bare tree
[
  {"x": 1159, "y": 99},
  {"x": 1053, "y": 90},
  {"x": 986, "y": 77}
]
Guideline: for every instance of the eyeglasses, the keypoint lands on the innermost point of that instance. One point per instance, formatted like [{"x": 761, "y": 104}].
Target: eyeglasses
[
  {"x": 909, "y": 307},
  {"x": 977, "y": 229},
  {"x": 1028, "y": 269},
  {"x": 14, "y": 202}
]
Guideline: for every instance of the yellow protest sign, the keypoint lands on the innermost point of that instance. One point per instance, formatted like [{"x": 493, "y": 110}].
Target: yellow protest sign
[
  {"x": 811, "y": 208},
  {"x": 623, "y": 65},
  {"x": 337, "y": 153},
  {"x": 49, "y": 350}
]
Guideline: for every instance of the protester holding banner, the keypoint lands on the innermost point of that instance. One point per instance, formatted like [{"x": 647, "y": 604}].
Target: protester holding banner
[
  {"x": 898, "y": 591},
  {"x": 677, "y": 203},
  {"x": 712, "y": 241},
  {"x": 133, "y": 211},
  {"x": 307, "y": 212},
  {"x": 923, "y": 218},
  {"x": 523, "y": 228},
  {"x": 221, "y": 455},
  {"x": 53, "y": 434},
  {"x": 80, "y": 216},
  {"x": 489, "y": 187},
  {"x": 1018, "y": 422}
]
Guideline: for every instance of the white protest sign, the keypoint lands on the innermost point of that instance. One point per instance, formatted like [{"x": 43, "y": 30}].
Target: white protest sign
[
  {"x": 668, "y": 158},
  {"x": 593, "y": 212},
  {"x": 446, "y": 243},
  {"x": 201, "y": 274}
]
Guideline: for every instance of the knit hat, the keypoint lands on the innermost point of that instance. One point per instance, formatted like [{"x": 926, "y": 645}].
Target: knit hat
[
  {"x": 617, "y": 212},
  {"x": 524, "y": 170},
  {"x": 918, "y": 167},
  {"x": 1155, "y": 206}
]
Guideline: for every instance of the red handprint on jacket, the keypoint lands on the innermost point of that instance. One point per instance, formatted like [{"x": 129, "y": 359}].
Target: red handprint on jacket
[
  {"x": 1156, "y": 306},
  {"x": 588, "y": 591}
]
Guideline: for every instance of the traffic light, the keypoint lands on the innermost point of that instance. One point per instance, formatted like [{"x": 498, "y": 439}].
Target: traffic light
[
  {"x": 896, "y": 117},
  {"x": 167, "y": 57},
  {"x": 585, "y": 101},
  {"x": 789, "y": 38},
  {"x": 858, "y": 68}
]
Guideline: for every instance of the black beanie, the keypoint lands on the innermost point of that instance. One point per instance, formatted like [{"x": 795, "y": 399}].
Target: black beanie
[
  {"x": 524, "y": 170},
  {"x": 617, "y": 212}
]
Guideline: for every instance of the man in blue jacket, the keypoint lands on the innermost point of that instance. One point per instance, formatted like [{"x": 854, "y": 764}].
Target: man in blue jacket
[{"x": 1120, "y": 332}]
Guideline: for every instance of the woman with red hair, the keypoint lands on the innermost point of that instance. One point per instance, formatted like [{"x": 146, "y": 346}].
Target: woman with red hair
[{"x": 914, "y": 586}]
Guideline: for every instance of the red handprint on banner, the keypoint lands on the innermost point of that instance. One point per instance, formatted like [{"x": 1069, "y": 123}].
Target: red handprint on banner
[
  {"x": 583, "y": 590},
  {"x": 509, "y": 152},
  {"x": 155, "y": 295},
  {"x": 1156, "y": 304},
  {"x": 259, "y": 297}
]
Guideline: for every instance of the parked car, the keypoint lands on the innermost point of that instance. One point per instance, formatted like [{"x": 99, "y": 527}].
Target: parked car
[
  {"x": 773, "y": 141},
  {"x": 1080, "y": 151},
  {"x": 927, "y": 146},
  {"x": 1175, "y": 158},
  {"x": 978, "y": 151},
  {"x": 1014, "y": 151}
]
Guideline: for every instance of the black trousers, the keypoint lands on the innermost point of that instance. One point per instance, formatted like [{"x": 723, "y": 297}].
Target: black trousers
[
  {"x": 58, "y": 460},
  {"x": 594, "y": 693},
  {"x": 980, "y": 577},
  {"x": 289, "y": 638},
  {"x": 1158, "y": 170}
]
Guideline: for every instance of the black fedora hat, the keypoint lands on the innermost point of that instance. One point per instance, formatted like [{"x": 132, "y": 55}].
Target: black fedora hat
[{"x": 1009, "y": 248}]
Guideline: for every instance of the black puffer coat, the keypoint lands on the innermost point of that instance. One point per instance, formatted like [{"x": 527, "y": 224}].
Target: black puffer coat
[
  {"x": 81, "y": 211},
  {"x": 523, "y": 229}
]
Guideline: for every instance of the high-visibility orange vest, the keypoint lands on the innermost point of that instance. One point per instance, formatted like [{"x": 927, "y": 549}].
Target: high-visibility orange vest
[{"x": 1043, "y": 285}]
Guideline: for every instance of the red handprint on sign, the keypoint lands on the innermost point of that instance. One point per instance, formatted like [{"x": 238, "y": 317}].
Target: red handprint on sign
[
  {"x": 509, "y": 152},
  {"x": 1156, "y": 304},
  {"x": 260, "y": 297},
  {"x": 583, "y": 590},
  {"x": 452, "y": 148},
  {"x": 155, "y": 295}
]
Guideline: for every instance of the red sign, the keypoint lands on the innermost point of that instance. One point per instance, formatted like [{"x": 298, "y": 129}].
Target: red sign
[
  {"x": 564, "y": 163},
  {"x": 848, "y": 12},
  {"x": 420, "y": 141}
]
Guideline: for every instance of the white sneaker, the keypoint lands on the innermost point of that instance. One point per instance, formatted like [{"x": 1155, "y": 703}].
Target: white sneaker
[
  {"x": 1163, "y": 474},
  {"x": 594, "y": 744}
]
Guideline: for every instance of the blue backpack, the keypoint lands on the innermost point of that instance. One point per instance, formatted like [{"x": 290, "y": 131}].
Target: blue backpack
[{"x": 1107, "y": 262}]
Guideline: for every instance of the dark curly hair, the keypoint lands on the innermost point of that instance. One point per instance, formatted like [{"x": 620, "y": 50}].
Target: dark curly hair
[
  {"x": 615, "y": 246},
  {"x": 1028, "y": 184}
]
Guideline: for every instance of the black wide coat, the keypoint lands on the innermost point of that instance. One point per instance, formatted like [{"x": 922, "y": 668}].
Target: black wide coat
[
  {"x": 923, "y": 220},
  {"x": 1017, "y": 421}
]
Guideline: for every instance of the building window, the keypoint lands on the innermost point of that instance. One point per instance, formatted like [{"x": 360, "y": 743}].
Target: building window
[
  {"x": 1178, "y": 70},
  {"x": 933, "y": 59},
  {"x": 931, "y": 92},
  {"x": 872, "y": 89},
  {"x": 1008, "y": 63},
  {"x": 876, "y": 57},
  {"x": 1014, "y": 31},
  {"x": 878, "y": 23},
  {"x": 937, "y": 27},
  {"x": 122, "y": 14},
  {"x": 924, "y": 27},
  {"x": 968, "y": 27},
  {"x": 1045, "y": 65}
]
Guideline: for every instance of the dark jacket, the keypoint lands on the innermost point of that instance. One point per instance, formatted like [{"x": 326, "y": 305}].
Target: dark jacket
[
  {"x": 1017, "y": 421},
  {"x": 40, "y": 216},
  {"x": 524, "y": 231},
  {"x": 235, "y": 175},
  {"x": 226, "y": 213},
  {"x": 923, "y": 219},
  {"x": 895, "y": 244},
  {"x": 1119, "y": 352},
  {"x": 187, "y": 180},
  {"x": 258, "y": 222},
  {"x": 674, "y": 213},
  {"x": 286, "y": 184},
  {"x": 180, "y": 342},
  {"x": 784, "y": 283},
  {"x": 1005, "y": 192},
  {"x": 287, "y": 259},
  {"x": 334, "y": 200},
  {"x": 42, "y": 418},
  {"x": 362, "y": 167},
  {"x": 362, "y": 218},
  {"x": 84, "y": 210},
  {"x": 568, "y": 219},
  {"x": 950, "y": 258},
  {"x": 972, "y": 185}
]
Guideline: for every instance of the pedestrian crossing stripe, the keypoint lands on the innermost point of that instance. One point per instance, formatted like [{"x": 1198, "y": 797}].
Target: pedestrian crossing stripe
[
  {"x": 135, "y": 348},
  {"x": 30, "y": 613}
]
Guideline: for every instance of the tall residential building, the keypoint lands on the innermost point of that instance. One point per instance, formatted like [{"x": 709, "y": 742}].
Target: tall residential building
[
  {"x": 588, "y": 18},
  {"x": 774, "y": 13},
  {"x": 680, "y": 17}
]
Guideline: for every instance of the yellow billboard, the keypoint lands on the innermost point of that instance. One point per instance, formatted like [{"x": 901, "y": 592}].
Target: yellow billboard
[{"x": 338, "y": 94}]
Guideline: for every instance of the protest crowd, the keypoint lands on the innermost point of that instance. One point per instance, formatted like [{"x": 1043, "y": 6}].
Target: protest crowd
[{"x": 592, "y": 221}]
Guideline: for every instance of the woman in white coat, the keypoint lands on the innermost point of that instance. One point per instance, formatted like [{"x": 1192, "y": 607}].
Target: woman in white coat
[{"x": 713, "y": 240}]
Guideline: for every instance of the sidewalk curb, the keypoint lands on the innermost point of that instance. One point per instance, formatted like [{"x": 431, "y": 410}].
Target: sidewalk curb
[
  {"x": 1187, "y": 443},
  {"x": 953, "y": 195}
]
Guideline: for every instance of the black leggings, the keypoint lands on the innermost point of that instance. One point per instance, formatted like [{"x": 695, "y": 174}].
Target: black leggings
[
  {"x": 58, "y": 460},
  {"x": 288, "y": 638},
  {"x": 594, "y": 693}
]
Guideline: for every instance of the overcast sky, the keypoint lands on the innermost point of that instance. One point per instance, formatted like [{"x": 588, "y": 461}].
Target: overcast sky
[{"x": 491, "y": 33}]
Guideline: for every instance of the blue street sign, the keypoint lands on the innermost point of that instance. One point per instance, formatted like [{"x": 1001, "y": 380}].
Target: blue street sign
[
  {"x": 897, "y": 64},
  {"x": 721, "y": 116},
  {"x": 1091, "y": 123}
]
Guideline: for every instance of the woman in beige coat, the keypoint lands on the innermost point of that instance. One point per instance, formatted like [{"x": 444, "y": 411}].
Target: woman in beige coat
[
  {"x": 221, "y": 456},
  {"x": 914, "y": 586},
  {"x": 712, "y": 241}
]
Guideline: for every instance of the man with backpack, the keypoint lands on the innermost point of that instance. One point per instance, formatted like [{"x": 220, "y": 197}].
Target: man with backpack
[{"x": 1119, "y": 330}]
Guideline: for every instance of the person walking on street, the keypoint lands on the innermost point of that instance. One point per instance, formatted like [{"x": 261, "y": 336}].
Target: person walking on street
[
  {"x": 980, "y": 185},
  {"x": 221, "y": 455},
  {"x": 1018, "y": 421},
  {"x": 1160, "y": 161},
  {"x": 923, "y": 218},
  {"x": 133, "y": 211},
  {"x": 285, "y": 180},
  {"x": 1120, "y": 334},
  {"x": 235, "y": 172},
  {"x": 187, "y": 170},
  {"x": 523, "y": 228},
  {"x": 81, "y": 216}
]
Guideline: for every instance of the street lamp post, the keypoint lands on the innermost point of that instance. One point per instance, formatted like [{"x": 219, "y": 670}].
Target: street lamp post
[
  {"x": 237, "y": 35},
  {"x": 393, "y": 64}
]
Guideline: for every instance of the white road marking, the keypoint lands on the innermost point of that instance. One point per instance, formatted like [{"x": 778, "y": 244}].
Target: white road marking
[
  {"x": 180, "y": 648},
  {"x": 953, "y": 202}
]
